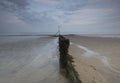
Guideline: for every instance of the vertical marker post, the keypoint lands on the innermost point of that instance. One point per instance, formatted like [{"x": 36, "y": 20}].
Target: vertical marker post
[{"x": 59, "y": 30}]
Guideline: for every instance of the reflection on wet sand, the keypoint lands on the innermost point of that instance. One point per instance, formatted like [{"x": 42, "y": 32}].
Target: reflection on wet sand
[{"x": 30, "y": 61}]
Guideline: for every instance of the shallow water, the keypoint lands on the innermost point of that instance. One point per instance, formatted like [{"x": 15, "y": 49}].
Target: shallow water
[{"x": 29, "y": 60}]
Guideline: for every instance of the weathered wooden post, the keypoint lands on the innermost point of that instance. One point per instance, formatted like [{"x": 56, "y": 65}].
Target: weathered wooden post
[{"x": 63, "y": 48}]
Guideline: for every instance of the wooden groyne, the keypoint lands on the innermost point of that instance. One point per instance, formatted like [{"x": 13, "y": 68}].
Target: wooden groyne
[{"x": 66, "y": 60}]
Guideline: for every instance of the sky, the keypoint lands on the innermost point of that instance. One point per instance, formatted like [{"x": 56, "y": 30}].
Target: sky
[{"x": 73, "y": 16}]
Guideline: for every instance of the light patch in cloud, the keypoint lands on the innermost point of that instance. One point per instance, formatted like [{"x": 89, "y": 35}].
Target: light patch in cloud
[
  {"x": 114, "y": 24},
  {"x": 47, "y": 1},
  {"x": 9, "y": 18},
  {"x": 81, "y": 21}
]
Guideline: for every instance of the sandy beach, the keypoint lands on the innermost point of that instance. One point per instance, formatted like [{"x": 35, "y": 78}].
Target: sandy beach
[
  {"x": 25, "y": 60},
  {"x": 96, "y": 59}
]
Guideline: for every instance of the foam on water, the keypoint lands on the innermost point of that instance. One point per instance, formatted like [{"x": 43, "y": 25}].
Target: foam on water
[
  {"x": 106, "y": 62},
  {"x": 46, "y": 52},
  {"x": 88, "y": 52}
]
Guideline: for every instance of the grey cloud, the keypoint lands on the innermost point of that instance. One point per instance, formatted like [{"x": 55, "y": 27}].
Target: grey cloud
[
  {"x": 72, "y": 5},
  {"x": 16, "y": 7},
  {"x": 114, "y": 4},
  {"x": 20, "y": 8},
  {"x": 35, "y": 18},
  {"x": 13, "y": 5},
  {"x": 63, "y": 11}
]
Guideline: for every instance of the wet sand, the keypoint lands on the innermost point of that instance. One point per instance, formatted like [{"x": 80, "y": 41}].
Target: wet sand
[
  {"x": 29, "y": 60},
  {"x": 97, "y": 60}
]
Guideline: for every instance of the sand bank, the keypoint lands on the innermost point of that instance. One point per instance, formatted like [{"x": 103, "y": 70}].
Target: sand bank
[{"x": 96, "y": 59}]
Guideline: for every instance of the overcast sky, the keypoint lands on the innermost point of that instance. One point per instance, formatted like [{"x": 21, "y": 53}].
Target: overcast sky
[{"x": 74, "y": 16}]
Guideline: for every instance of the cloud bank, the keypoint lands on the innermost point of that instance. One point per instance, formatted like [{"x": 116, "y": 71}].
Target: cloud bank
[{"x": 45, "y": 15}]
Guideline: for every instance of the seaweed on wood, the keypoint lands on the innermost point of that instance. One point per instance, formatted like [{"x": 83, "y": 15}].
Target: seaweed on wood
[{"x": 66, "y": 60}]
